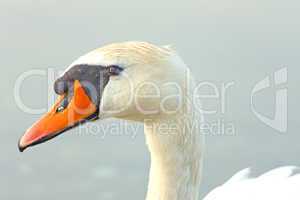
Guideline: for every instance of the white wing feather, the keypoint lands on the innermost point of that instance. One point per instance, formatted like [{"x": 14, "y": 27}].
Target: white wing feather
[{"x": 279, "y": 184}]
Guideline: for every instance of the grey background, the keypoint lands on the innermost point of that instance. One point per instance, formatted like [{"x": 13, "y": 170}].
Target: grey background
[{"x": 221, "y": 41}]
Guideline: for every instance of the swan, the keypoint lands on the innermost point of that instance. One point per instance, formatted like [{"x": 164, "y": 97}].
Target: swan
[{"x": 142, "y": 82}]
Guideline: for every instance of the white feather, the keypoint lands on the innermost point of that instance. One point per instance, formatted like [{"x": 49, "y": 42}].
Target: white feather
[{"x": 277, "y": 184}]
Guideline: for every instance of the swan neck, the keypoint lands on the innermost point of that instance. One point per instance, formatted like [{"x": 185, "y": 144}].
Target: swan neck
[{"x": 175, "y": 146}]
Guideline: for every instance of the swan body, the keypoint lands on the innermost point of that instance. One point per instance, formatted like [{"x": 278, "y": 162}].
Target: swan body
[
  {"x": 278, "y": 184},
  {"x": 145, "y": 83}
]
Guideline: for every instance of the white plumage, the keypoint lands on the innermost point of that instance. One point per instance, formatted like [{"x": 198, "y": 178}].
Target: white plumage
[{"x": 279, "y": 184}]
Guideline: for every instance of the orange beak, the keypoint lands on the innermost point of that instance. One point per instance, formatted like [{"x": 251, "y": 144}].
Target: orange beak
[{"x": 79, "y": 110}]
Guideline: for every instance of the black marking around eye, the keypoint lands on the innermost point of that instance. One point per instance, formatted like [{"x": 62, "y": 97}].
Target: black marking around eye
[
  {"x": 93, "y": 78},
  {"x": 60, "y": 86}
]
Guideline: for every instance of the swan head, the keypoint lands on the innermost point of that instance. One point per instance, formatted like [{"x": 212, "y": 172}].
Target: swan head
[{"x": 131, "y": 80}]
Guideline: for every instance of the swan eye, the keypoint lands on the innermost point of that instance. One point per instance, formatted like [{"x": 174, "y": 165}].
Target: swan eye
[{"x": 114, "y": 70}]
